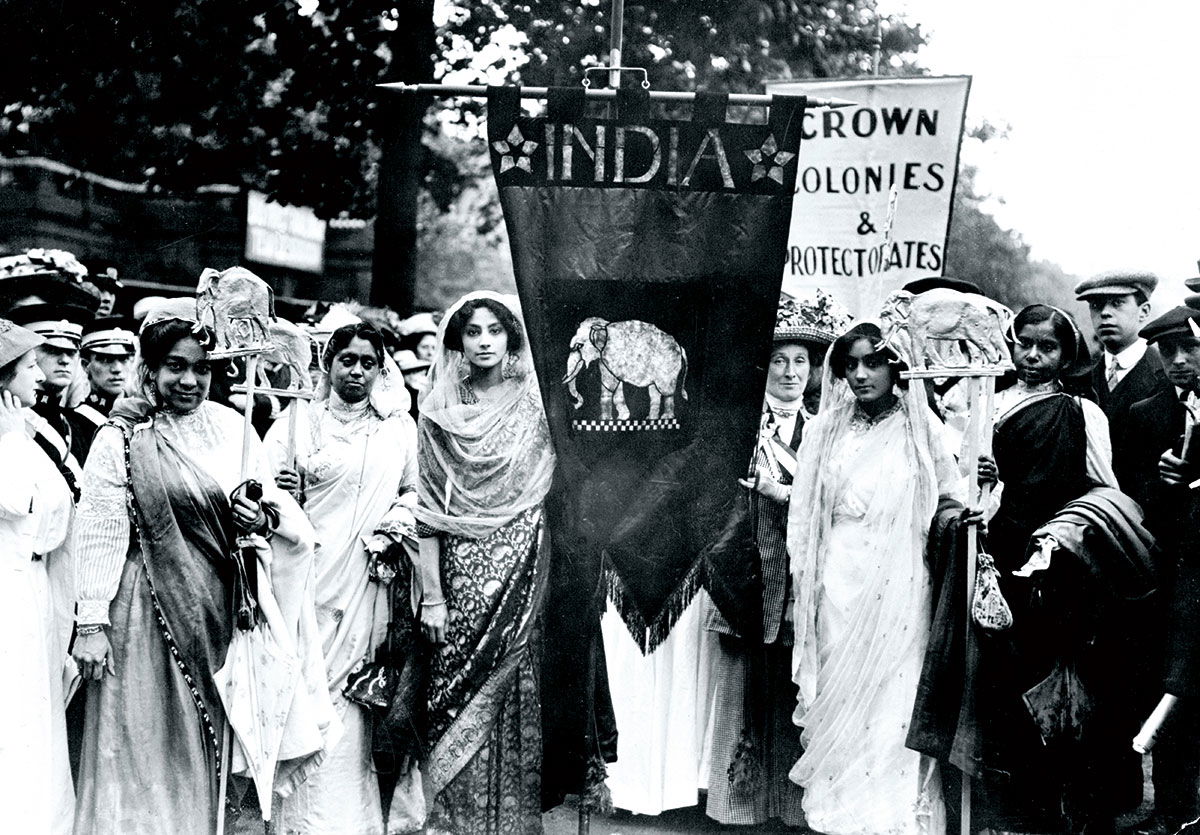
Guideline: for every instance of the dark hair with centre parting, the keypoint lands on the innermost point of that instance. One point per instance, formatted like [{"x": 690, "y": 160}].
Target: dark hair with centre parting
[
  {"x": 1064, "y": 331},
  {"x": 346, "y": 334},
  {"x": 840, "y": 351},
  {"x": 458, "y": 323},
  {"x": 157, "y": 340}
]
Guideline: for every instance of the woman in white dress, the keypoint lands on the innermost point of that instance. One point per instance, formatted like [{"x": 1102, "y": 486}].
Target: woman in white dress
[
  {"x": 868, "y": 477},
  {"x": 35, "y": 510},
  {"x": 355, "y": 468}
]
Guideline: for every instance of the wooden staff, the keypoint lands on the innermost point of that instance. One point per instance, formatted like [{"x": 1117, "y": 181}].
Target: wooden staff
[{"x": 981, "y": 403}]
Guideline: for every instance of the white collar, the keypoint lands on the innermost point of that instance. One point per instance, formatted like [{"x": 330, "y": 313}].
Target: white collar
[{"x": 1129, "y": 357}]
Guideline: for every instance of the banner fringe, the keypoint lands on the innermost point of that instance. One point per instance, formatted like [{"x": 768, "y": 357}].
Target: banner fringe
[{"x": 648, "y": 636}]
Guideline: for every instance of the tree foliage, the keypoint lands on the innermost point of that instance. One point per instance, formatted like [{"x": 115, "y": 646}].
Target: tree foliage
[{"x": 254, "y": 92}]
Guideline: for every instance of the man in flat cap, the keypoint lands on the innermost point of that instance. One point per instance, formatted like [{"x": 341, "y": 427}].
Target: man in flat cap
[
  {"x": 1129, "y": 369},
  {"x": 1156, "y": 477},
  {"x": 107, "y": 351},
  {"x": 61, "y": 326}
]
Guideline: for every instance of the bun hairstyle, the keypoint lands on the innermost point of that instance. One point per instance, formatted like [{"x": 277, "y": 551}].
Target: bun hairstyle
[
  {"x": 458, "y": 323},
  {"x": 840, "y": 350},
  {"x": 346, "y": 334},
  {"x": 1075, "y": 374}
]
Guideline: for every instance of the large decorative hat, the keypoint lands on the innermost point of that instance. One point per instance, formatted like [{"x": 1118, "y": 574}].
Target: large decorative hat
[
  {"x": 60, "y": 325},
  {"x": 1116, "y": 283},
  {"x": 109, "y": 335},
  {"x": 51, "y": 274},
  {"x": 814, "y": 317},
  {"x": 15, "y": 341}
]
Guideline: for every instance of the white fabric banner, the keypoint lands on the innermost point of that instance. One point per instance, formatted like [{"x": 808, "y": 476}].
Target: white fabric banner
[{"x": 875, "y": 185}]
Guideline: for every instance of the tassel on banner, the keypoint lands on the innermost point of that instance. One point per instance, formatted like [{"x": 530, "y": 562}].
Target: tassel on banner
[{"x": 648, "y": 636}]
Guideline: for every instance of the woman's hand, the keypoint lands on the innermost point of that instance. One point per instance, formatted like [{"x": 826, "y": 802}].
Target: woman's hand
[
  {"x": 93, "y": 653},
  {"x": 12, "y": 415},
  {"x": 988, "y": 473},
  {"x": 248, "y": 514},
  {"x": 434, "y": 617},
  {"x": 288, "y": 480},
  {"x": 764, "y": 485}
]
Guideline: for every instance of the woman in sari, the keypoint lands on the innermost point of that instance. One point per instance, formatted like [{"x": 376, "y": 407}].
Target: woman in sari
[
  {"x": 355, "y": 467},
  {"x": 485, "y": 467},
  {"x": 755, "y": 743},
  {"x": 1052, "y": 448},
  {"x": 162, "y": 589},
  {"x": 869, "y": 475},
  {"x": 35, "y": 511}
]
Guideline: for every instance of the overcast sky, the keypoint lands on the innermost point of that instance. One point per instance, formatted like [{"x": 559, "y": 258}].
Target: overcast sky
[{"x": 1099, "y": 169}]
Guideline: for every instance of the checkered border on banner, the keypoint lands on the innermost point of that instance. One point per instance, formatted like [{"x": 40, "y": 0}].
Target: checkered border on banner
[{"x": 624, "y": 425}]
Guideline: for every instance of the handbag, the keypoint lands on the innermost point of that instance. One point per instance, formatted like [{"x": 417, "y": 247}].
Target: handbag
[
  {"x": 989, "y": 609},
  {"x": 373, "y": 683}
]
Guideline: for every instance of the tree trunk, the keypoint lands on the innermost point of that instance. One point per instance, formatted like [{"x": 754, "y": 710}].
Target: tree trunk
[{"x": 401, "y": 163}]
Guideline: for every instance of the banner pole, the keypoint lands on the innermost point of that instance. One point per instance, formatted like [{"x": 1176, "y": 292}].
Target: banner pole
[
  {"x": 616, "y": 42},
  {"x": 478, "y": 91}
]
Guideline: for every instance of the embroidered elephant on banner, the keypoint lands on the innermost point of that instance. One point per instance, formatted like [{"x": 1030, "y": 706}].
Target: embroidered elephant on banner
[{"x": 632, "y": 352}]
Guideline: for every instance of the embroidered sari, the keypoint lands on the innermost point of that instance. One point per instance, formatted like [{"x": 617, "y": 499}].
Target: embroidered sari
[
  {"x": 866, "y": 490},
  {"x": 485, "y": 468}
]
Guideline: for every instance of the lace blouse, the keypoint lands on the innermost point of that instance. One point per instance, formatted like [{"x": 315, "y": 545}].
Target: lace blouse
[{"x": 211, "y": 436}]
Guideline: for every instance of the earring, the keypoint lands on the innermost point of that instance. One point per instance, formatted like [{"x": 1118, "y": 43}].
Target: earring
[{"x": 508, "y": 368}]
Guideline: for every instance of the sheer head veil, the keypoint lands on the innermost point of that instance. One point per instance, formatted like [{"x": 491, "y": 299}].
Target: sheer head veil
[
  {"x": 482, "y": 462},
  {"x": 388, "y": 394},
  {"x": 816, "y": 492}
]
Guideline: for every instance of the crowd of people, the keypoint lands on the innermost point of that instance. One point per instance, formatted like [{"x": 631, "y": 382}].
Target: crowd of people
[{"x": 388, "y": 536}]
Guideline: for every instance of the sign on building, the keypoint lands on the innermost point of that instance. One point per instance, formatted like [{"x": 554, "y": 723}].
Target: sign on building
[{"x": 284, "y": 236}]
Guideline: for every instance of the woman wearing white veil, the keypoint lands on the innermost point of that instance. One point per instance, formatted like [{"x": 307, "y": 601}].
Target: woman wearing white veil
[
  {"x": 869, "y": 474},
  {"x": 355, "y": 470},
  {"x": 485, "y": 466}
]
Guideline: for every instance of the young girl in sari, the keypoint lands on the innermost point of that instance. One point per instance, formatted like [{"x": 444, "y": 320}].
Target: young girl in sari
[
  {"x": 869, "y": 474},
  {"x": 485, "y": 464}
]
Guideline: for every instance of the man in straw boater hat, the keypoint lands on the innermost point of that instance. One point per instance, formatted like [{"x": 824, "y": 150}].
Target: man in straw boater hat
[
  {"x": 1129, "y": 369},
  {"x": 754, "y": 742},
  {"x": 1162, "y": 461},
  {"x": 107, "y": 350}
]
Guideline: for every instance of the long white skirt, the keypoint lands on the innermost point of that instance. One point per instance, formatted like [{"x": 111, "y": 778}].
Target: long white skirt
[{"x": 662, "y": 704}]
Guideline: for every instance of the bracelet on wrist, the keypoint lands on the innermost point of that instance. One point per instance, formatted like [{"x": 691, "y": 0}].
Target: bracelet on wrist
[
  {"x": 433, "y": 602},
  {"x": 84, "y": 629}
]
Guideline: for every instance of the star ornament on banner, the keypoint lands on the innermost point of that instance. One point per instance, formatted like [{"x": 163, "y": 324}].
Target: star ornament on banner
[
  {"x": 769, "y": 161},
  {"x": 515, "y": 151}
]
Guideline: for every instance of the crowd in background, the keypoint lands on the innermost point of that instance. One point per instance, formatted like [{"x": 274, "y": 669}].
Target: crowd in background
[{"x": 387, "y": 535}]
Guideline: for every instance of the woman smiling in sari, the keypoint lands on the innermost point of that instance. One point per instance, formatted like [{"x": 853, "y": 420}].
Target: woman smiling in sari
[
  {"x": 485, "y": 467},
  {"x": 160, "y": 591}
]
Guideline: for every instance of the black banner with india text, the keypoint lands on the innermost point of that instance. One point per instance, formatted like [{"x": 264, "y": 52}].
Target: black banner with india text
[{"x": 648, "y": 256}]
